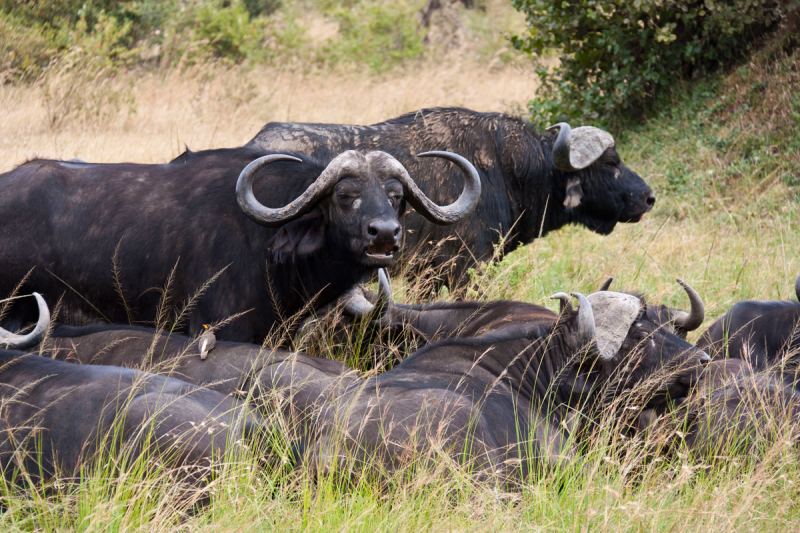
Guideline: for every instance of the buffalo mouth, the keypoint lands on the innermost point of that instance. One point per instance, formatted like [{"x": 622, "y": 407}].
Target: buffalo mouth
[
  {"x": 633, "y": 219},
  {"x": 381, "y": 253}
]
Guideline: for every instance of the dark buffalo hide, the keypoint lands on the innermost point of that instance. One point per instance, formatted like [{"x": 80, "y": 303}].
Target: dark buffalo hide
[
  {"x": 294, "y": 383},
  {"x": 766, "y": 334},
  {"x": 55, "y": 417},
  {"x": 733, "y": 410}
]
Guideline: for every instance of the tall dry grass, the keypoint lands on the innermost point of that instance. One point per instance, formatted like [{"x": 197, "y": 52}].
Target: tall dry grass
[{"x": 149, "y": 117}]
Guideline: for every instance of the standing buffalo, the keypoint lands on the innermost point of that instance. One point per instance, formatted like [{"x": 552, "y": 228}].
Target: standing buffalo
[
  {"x": 764, "y": 333},
  {"x": 180, "y": 224},
  {"x": 532, "y": 184},
  {"x": 500, "y": 402}
]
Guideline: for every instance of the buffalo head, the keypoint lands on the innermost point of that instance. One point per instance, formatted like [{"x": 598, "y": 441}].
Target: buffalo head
[
  {"x": 621, "y": 346},
  {"x": 355, "y": 205},
  {"x": 599, "y": 189},
  {"x": 680, "y": 322}
]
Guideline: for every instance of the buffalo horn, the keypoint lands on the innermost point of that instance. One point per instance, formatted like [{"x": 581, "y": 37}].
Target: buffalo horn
[
  {"x": 20, "y": 342},
  {"x": 690, "y": 321},
  {"x": 606, "y": 284},
  {"x": 358, "y": 305},
  {"x": 384, "y": 292},
  {"x": 797, "y": 288},
  {"x": 565, "y": 302},
  {"x": 576, "y": 149},
  {"x": 458, "y": 210},
  {"x": 587, "y": 332},
  {"x": 273, "y": 217}
]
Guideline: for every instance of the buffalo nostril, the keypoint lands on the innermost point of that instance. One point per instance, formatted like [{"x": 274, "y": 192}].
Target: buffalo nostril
[
  {"x": 651, "y": 200},
  {"x": 705, "y": 359},
  {"x": 384, "y": 230}
]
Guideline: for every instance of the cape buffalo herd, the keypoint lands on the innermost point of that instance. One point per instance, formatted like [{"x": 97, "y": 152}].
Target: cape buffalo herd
[{"x": 175, "y": 287}]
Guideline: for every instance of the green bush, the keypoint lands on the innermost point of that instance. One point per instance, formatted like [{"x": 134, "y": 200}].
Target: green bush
[
  {"x": 35, "y": 35},
  {"x": 617, "y": 55},
  {"x": 378, "y": 33},
  {"x": 228, "y": 30},
  {"x": 23, "y": 48}
]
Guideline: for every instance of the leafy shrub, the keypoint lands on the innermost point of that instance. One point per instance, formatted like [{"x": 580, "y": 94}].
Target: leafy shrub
[
  {"x": 379, "y": 33},
  {"x": 34, "y": 34},
  {"x": 22, "y": 48},
  {"x": 617, "y": 55},
  {"x": 261, "y": 7},
  {"x": 227, "y": 30}
]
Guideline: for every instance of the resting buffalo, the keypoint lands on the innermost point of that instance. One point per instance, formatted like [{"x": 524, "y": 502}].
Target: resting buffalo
[
  {"x": 500, "y": 402},
  {"x": 764, "y": 333},
  {"x": 532, "y": 184},
  {"x": 679, "y": 321},
  {"x": 57, "y": 416},
  {"x": 739, "y": 411},
  {"x": 242, "y": 370},
  {"x": 432, "y": 322},
  {"x": 731, "y": 410},
  {"x": 179, "y": 224}
]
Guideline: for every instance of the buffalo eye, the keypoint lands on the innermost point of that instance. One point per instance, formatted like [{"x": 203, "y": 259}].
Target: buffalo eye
[{"x": 394, "y": 191}]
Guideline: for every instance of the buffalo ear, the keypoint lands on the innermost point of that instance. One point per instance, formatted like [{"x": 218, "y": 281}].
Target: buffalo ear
[
  {"x": 574, "y": 193},
  {"x": 303, "y": 236}
]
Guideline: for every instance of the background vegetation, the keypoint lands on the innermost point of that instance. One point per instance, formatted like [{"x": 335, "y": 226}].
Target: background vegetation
[
  {"x": 617, "y": 58},
  {"x": 116, "y": 81}
]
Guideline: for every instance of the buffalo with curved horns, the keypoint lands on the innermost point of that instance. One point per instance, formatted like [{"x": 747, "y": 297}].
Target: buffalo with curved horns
[
  {"x": 309, "y": 230},
  {"x": 532, "y": 183},
  {"x": 681, "y": 322},
  {"x": 432, "y": 322},
  {"x": 506, "y": 400}
]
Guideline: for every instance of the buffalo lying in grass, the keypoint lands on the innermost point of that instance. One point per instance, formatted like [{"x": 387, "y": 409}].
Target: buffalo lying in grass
[
  {"x": 249, "y": 371},
  {"x": 505, "y": 401},
  {"x": 56, "y": 417},
  {"x": 766, "y": 334},
  {"x": 428, "y": 323},
  {"x": 532, "y": 183},
  {"x": 733, "y": 410},
  {"x": 329, "y": 225}
]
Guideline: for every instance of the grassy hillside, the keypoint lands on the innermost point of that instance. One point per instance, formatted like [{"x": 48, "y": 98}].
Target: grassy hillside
[{"x": 722, "y": 155}]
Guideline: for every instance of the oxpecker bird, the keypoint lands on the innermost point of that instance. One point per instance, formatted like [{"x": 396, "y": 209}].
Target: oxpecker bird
[{"x": 206, "y": 342}]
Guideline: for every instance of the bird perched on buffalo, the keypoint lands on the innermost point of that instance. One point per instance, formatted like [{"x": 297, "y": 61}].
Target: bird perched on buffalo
[{"x": 206, "y": 342}]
